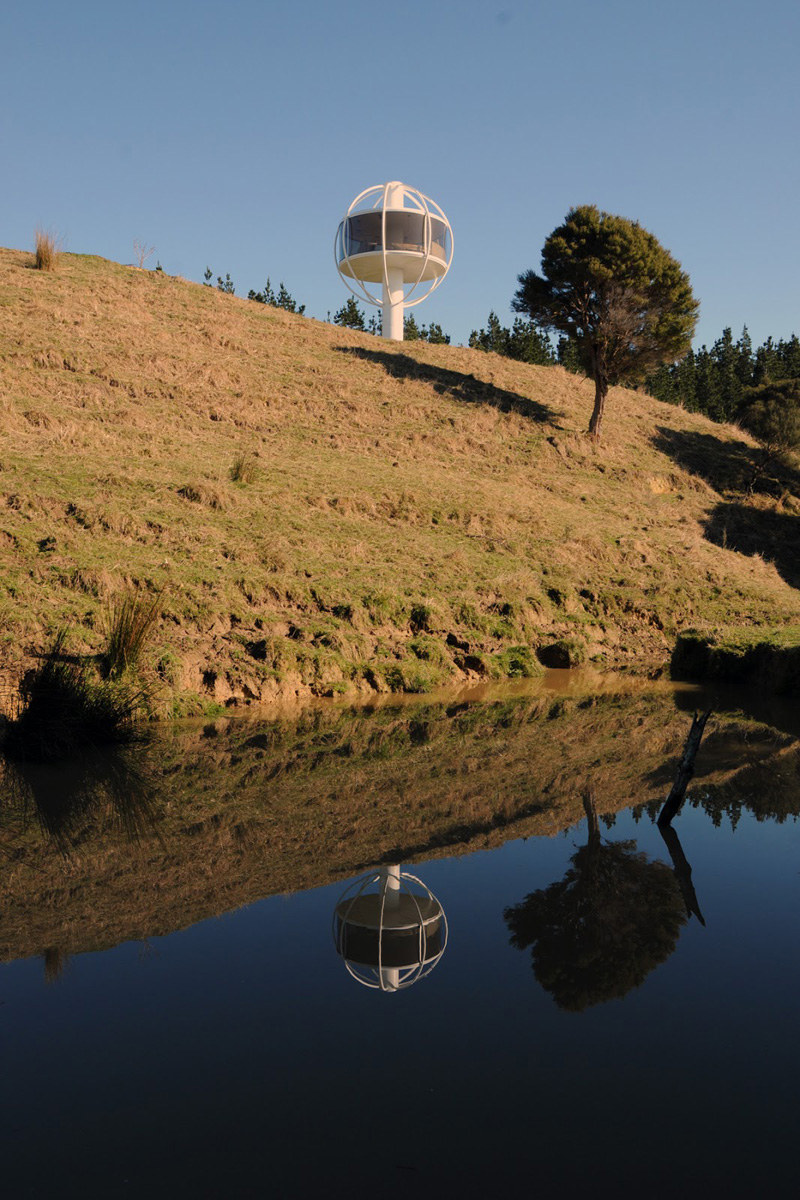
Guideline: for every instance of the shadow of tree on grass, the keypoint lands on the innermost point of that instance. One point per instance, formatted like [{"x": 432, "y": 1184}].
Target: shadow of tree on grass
[
  {"x": 773, "y": 535},
  {"x": 726, "y": 466},
  {"x": 465, "y": 388}
]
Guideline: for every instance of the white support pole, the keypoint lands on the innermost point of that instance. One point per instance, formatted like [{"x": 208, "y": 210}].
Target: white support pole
[
  {"x": 390, "y": 976},
  {"x": 393, "y": 291},
  {"x": 391, "y": 880},
  {"x": 393, "y": 297}
]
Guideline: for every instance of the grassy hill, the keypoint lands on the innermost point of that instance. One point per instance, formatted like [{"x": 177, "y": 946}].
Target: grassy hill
[{"x": 408, "y": 514}]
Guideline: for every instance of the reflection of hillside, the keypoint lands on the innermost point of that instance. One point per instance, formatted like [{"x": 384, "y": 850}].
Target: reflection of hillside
[
  {"x": 766, "y": 786},
  {"x": 242, "y": 810}
]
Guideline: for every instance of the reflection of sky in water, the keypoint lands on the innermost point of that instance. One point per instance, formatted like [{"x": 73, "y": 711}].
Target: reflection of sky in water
[{"x": 239, "y": 1053}]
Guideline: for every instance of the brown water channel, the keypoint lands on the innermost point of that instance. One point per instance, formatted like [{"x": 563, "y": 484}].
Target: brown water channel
[{"x": 183, "y": 1008}]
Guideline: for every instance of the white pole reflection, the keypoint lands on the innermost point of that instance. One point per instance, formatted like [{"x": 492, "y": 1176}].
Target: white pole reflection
[{"x": 389, "y": 929}]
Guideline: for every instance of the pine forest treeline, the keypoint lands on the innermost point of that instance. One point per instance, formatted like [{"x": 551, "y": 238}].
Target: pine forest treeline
[{"x": 716, "y": 382}]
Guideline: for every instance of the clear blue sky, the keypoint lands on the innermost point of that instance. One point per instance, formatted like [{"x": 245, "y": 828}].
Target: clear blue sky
[{"x": 235, "y": 135}]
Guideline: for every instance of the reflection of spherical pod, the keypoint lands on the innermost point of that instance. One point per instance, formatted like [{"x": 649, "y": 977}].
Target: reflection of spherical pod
[
  {"x": 396, "y": 236},
  {"x": 389, "y": 933}
]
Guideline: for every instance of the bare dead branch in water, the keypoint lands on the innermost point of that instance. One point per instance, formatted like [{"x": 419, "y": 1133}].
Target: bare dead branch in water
[
  {"x": 677, "y": 792},
  {"x": 682, "y": 870}
]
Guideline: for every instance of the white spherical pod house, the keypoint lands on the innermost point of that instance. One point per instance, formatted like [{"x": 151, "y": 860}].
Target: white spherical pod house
[
  {"x": 390, "y": 929},
  {"x": 395, "y": 236}
]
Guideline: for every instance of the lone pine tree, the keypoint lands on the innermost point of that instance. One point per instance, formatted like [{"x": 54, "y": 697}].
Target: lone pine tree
[{"x": 616, "y": 293}]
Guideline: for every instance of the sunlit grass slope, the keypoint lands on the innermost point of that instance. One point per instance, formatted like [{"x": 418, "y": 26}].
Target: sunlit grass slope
[{"x": 410, "y": 514}]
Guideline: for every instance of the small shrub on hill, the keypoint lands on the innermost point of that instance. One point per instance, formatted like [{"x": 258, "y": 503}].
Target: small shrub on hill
[
  {"x": 244, "y": 468},
  {"x": 47, "y": 249}
]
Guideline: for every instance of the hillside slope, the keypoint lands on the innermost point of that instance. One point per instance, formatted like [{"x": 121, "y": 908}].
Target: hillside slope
[{"x": 418, "y": 513}]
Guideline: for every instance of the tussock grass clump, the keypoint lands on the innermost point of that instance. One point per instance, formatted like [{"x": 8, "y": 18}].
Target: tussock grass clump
[
  {"x": 517, "y": 662},
  {"x": 47, "y": 249},
  {"x": 244, "y": 468},
  {"x": 564, "y": 653},
  {"x": 131, "y": 620},
  {"x": 64, "y": 711},
  {"x": 200, "y": 493},
  {"x": 416, "y": 677}
]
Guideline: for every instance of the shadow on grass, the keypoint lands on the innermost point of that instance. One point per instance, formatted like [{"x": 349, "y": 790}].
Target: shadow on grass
[
  {"x": 726, "y": 466},
  {"x": 465, "y": 388},
  {"x": 773, "y": 535}
]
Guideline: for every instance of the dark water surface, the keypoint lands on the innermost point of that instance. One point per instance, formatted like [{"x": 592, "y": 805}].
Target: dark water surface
[{"x": 582, "y": 1031}]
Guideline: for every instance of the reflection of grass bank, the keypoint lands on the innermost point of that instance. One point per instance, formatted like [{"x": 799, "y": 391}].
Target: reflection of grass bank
[{"x": 243, "y": 809}]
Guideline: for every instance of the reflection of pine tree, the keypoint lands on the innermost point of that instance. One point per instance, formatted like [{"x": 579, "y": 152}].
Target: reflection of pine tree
[
  {"x": 56, "y": 962},
  {"x": 599, "y": 932}
]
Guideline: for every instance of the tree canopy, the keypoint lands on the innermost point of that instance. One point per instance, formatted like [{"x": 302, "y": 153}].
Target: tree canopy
[
  {"x": 283, "y": 299},
  {"x": 600, "y": 931},
  {"x": 412, "y": 332},
  {"x": 771, "y": 413},
  {"x": 350, "y": 315},
  {"x": 622, "y": 299},
  {"x": 523, "y": 342}
]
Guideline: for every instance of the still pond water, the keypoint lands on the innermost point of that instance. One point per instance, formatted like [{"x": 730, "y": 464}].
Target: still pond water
[{"x": 611, "y": 1011}]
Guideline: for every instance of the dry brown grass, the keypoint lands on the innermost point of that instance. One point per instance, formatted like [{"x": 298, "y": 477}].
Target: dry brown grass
[
  {"x": 47, "y": 249},
  {"x": 245, "y": 468},
  {"x": 131, "y": 621},
  {"x": 398, "y": 475}
]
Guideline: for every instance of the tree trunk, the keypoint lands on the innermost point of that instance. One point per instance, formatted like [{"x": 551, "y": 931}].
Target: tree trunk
[
  {"x": 600, "y": 393},
  {"x": 685, "y": 769},
  {"x": 590, "y": 808}
]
